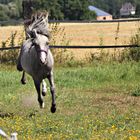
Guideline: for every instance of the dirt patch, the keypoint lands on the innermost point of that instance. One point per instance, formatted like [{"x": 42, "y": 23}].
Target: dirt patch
[{"x": 29, "y": 100}]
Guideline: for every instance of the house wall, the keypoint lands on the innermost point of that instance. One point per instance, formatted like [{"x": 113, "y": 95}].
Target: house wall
[
  {"x": 127, "y": 9},
  {"x": 104, "y": 17}
]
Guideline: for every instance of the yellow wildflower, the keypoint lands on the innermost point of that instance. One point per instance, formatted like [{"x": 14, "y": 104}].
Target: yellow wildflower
[
  {"x": 113, "y": 127},
  {"x": 133, "y": 138}
]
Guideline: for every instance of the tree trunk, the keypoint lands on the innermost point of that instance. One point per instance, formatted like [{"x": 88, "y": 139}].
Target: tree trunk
[{"x": 27, "y": 6}]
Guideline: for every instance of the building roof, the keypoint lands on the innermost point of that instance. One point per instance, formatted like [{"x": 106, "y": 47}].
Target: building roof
[
  {"x": 98, "y": 11},
  {"x": 128, "y": 6}
]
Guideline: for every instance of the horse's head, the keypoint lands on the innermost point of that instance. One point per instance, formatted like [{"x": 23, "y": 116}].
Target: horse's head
[{"x": 41, "y": 44}]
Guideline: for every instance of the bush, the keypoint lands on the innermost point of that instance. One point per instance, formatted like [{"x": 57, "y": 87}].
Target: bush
[
  {"x": 61, "y": 56},
  {"x": 10, "y": 56},
  {"x": 136, "y": 92},
  {"x": 133, "y": 53}
]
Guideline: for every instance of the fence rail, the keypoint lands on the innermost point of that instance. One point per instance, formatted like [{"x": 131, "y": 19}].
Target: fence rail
[
  {"x": 78, "y": 47},
  {"x": 94, "y": 21},
  {"x": 15, "y": 22}
]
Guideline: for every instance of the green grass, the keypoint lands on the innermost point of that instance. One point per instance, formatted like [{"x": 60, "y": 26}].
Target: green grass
[{"x": 94, "y": 102}]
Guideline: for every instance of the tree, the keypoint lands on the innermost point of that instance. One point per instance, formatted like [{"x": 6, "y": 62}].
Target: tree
[
  {"x": 53, "y": 7},
  {"x": 76, "y": 10},
  {"x": 65, "y": 9}
]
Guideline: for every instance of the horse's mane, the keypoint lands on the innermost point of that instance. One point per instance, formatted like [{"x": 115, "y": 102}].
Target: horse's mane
[{"x": 38, "y": 23}]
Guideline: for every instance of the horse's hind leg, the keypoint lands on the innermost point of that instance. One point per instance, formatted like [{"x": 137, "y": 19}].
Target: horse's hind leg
[
  {"x": 23, "y": 79},
  {"x": 44, "y": 89},
  {"x": 52, "y": 89},
  {"x": 19, "y": 67},
  {"x": 40, "y": 100}
]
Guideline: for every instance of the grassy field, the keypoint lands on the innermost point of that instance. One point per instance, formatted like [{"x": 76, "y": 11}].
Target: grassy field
[
  {"x": 83, "y": 34},
  {"x": 96, "y": 102}
]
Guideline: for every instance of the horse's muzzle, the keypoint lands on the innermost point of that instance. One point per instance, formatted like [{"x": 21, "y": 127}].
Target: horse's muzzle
[
  {"x": 43, "y": 56},
  {"x": 43, "y": 61}
]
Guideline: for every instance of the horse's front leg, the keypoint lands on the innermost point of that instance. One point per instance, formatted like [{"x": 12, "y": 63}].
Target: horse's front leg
[
  {"x": 40, "y": 100},
  {"x": 52, "y": 89},
  {"x": 23, "y": 79},
  {"x": 19, "y": 66},
  {"x": 44, "y": 88}
]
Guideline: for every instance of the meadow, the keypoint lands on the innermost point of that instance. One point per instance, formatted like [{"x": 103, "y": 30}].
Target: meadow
[
  {"x": 98, "y": 98},
  {"x": 94, "y": 102},
  {"x": 82, "y": 34}
]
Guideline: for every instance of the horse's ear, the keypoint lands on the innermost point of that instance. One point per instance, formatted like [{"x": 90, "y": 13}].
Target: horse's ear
[{"x": 46, "y": 14}]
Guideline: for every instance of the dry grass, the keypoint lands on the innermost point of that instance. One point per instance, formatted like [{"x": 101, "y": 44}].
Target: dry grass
[
  {"x": 98, "y": 33},
  {"x": 91, "y": 33},
  {"x": 6, "y": 32},
  {"x": 85, "y": 34}
]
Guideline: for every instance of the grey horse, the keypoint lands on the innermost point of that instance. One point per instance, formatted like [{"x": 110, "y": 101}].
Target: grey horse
[{"x": 36, "y": 59}]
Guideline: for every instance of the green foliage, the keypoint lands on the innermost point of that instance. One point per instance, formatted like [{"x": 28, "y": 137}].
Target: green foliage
[
  {"x": 3, "y": 12},
  {"x": 53, "y": 7},
  {"x": 136, "y": 92},
  {"x": 113, "y": 6},
  {"x": 77, "y": 10},
  {"x": 133, "y": 53},
  {"x": 10, "y": 10},
  {"x": 58, "y": 9},
  {"x": 65, "y": 9}
]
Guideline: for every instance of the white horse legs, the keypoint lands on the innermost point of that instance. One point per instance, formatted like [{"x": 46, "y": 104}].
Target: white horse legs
[
  {"x": 52, "y": 89},
  {"x": 44, "y": 88},
  {"x": 40, "y": 99}
]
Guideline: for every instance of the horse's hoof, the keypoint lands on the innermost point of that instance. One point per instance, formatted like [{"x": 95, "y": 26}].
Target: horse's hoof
[
  {"x": 42, "y": 105},
  {"x": 53, "y": 108},
  {"x": 19, "y": 67},
  {"x": 43, "y": 93},
  {"x": 23, "y": 81}
]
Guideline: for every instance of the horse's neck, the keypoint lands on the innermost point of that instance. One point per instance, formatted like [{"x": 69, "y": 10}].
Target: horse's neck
[{"x": 50, "y": 59}]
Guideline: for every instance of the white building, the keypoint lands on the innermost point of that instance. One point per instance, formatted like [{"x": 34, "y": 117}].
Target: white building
[
  {"x": 127, "y": 9},
  {"x": 101, "y": 15}
]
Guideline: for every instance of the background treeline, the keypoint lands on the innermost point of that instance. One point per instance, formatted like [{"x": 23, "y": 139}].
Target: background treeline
[
  {"x": 64, "y": 9},
  {"x": 10, "y": 9},
  {"x": 113, "y": 6}
]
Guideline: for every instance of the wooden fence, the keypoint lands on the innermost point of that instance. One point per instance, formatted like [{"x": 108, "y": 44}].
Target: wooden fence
[
  {"x": 83, "y": 47},
  {"x": 78, "y": 47}
]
